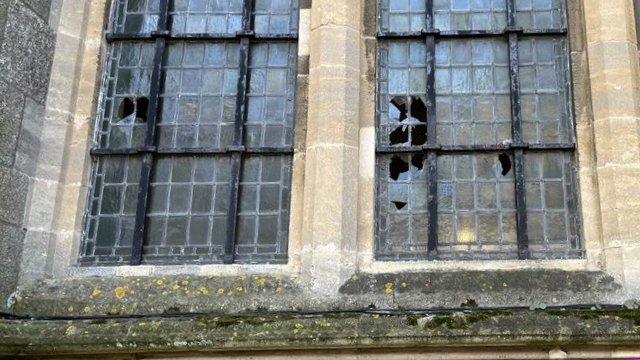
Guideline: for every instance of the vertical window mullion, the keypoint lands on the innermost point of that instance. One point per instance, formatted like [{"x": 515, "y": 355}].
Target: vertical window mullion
[
  {"x": 518, "y": 144},
  {"x": 152, "y": 119},
  {"x": 237, "y": 149},
  {"x": 431, "y": 155}
]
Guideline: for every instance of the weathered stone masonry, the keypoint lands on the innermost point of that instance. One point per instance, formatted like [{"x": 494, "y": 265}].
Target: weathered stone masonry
[
  {"x": 26, "y": 51},
  {"x": 332, "y": 294}
]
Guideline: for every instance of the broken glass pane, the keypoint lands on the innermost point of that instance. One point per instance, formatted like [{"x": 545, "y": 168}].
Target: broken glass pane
[
  {"x": 125, "y": 102},
  {"x": 402, "y": 207},
  {"x": 402, "y": 100},
  {"x": 473, "y": 102}
]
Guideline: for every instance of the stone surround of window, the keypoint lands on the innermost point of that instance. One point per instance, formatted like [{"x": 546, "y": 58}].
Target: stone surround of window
[{"x": 598, "y": 250}]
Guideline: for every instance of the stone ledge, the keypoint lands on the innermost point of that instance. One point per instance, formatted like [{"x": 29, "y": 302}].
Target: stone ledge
[
  {"x": 320, "y": 331},
  {"x": 110, "y": 295}
]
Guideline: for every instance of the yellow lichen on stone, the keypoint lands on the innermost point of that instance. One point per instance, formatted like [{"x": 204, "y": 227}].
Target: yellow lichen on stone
[
  {"x": 220, "y": 292},
  {"x": 261, "y": 282},
  {"x": 71, "y": 330},
  {"x": 203, "y": 290},
  {"x": 86, "y": 310},
  {"x": 279, "y": 290},
  {"x": 96, "y": 293},
  {"x": 388, "y": 288},
  {"x": 298, "y": 327},
  {"x": 120, "y": 292}
]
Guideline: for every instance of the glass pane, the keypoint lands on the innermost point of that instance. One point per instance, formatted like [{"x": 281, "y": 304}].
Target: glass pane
[
  {"x": 470, "y": 14},
  {"x": 110, "y": 220},
  {"x": 276, "y": 16},
  {"x": 402, "y": 104},
  {"x": 206, "y": 16},
  {"x": 135, "y": 16},
  {"x": 552, "y": 219},
  {"x": 544, "y": 90},
  {"x": 271, "y": 96},
  {"x": 188, "y": 208},
  {"x": 402, "y": 15},
  {"x": 476, "y": 207},
  {"x": 125, "y": 101},
  {"x": 199, "y": 97},
  {"x": 540, "y": 14},
  {"x": 402, "y": 229},
  {"x": 473, "y": 101},
  {"x": 263, "y": 215}
]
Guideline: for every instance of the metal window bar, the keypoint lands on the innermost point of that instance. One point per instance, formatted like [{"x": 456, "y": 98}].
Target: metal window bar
[
  {"x": 237, "y": 150},
  {"x": 517, "y": 148}
]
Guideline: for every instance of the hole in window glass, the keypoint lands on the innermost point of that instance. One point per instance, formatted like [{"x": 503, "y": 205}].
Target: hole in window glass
[
  {"x": 399, "y": 110},
  {"x": 399, "y": 136},
  {"x": 419, "y": 135},
  {"x": 397, "y": 167},
  {"x": 417, "y": 161},
  {"x": 418, "y": 109},
  {"x": 399, "y": 204},
  {"x": 142, "y": 108},
  {"x": 505, "y": 161},
  {"x": 127, "y": 108}
]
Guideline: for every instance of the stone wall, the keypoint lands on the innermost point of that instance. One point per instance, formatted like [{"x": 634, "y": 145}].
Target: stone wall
[
  {"x": 332, "y": 269},
  {"x": 26, "y": 50}
]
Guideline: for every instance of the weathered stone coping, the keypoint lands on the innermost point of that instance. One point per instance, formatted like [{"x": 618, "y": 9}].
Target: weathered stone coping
[
  {"x": 256, "y": 293},
  {"x": 318, "y": 331}
]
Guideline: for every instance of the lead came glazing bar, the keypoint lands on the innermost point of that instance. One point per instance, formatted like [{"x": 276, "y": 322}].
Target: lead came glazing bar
[{"x": 147, "y": 162}]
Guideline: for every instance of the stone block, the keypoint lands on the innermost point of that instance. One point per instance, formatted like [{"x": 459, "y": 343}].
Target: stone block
[
  {"x": 11, "y": 237},
  {"x": 40, "y": 7},
  {"x": 25, "y": 56},
  {"x": 14, "y": 187},
  {"x": 42, "y": 203},
  {"x": 29, "y": 142},
  {"x": 36, "y": 249},
  {"x": 332, "y": 13},
  {"x": 11, "y": 104}
]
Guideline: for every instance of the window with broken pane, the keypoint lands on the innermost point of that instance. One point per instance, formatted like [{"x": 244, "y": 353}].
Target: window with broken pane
[
  {"x": 475, "y": 136},
  {"x": 193, "y": 147}
]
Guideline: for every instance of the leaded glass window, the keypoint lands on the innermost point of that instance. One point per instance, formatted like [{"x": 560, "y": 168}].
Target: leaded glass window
[
  {"x": 193, "y": 146},
  {"x": 475, "y": 136}
]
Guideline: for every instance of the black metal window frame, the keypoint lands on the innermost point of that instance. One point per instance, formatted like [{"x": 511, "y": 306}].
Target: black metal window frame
[
  {"x": 237, "y": 150},
  {"x": 431, "y": 149}
]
